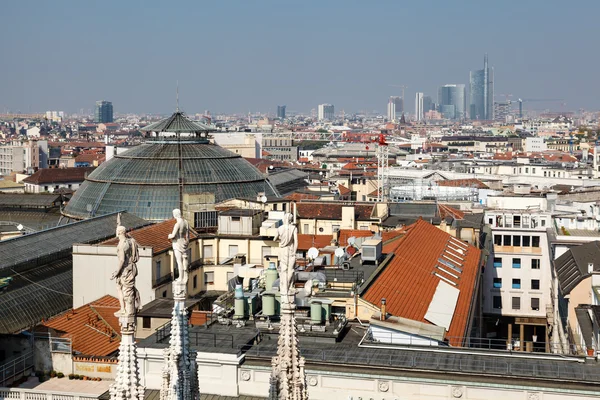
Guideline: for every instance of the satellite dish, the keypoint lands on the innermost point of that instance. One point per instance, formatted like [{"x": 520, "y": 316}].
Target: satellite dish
[
  {"x": 313, "y": 253},
  {"x": 351, "y": 240},
  {"x": 20, "y": 227},
  {"x": 339, "y": 252},
  {"x": 263, "y": 198}
]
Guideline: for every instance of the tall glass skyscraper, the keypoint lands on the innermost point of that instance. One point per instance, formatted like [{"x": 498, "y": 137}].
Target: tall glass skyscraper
[
  {"x": 104, "y": 111},
  {"x": 481, "y": 92},
  {"x": 281, "y": 112},
  {"x": 452, "y": 101}
]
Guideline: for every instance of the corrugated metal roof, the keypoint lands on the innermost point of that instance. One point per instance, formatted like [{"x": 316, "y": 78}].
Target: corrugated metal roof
[
  {"x": 35, "y": 249},
  {"x": 176, "y": 123}
]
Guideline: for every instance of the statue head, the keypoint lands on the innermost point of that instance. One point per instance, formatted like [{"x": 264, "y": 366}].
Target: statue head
[
  {"x": 288, "y": 218},
  {"x": 177, "y": 213},
  {"x": 121, "y": 230}
]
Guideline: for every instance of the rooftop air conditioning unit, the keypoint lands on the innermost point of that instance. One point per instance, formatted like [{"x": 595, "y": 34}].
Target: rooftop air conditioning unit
[{"x": 371, "y": 250}]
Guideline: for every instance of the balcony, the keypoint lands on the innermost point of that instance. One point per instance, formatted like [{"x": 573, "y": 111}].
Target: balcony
[{"x": 162, "y": 280}]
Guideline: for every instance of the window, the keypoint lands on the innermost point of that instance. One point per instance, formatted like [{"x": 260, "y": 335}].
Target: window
[
  {"x": 497, "y": 302},
  {"x": 506, "y": 241},
  {"x": 535, "y": 284},
  {"x": 207, "y": 251},
  {"x": 235, "y": 219},
  {"x": 543, "y": 222},
  {"x": 526, "y": 241},
  {"x": 533, "y": 170},
  {"x": 535, "y": 241},
  {"x": 164, "y": 294},
  {"x": 516, "y": 240},
  {"x": 209, "y": 278},
  {"x": 335, "y": 228},
  {"x": 497, "y": 283},
  {"x": 497, "y": 262},
  {"x": 535, "y": 303},
  {"x": 491, "y": 221},
  {"x": 305, "y": 229},
  {"x": 535, "y": 263},
  {"x": 195, "y": 281},
  {"x": 157, "y": 274},
  {"x": 517, "y": 222},
  {"x": 498, "y": 240},
  {"x": 516, "y": 303},
  {"x": 233, "y": 250},
  {"x": 516, "y": 284},
  {"x": 146, "y": 322},
  {"x": 526, "y": 170},
  {"x": 516, "y": 263}
]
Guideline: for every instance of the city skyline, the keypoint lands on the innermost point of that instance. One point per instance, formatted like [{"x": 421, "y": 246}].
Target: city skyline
[{"x": 77, "y": 69}]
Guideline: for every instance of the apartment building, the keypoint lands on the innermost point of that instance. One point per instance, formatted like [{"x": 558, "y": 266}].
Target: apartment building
[
  {"x": 518, "y": 277},
  {"x": 22, "y": 156}
]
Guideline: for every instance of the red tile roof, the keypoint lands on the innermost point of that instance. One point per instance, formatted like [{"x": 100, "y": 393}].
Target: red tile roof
[
  {"x": 154, "y": 236},
  {"x": 305, "y": 242},
  {"x": 447, "y": 211},
  {"x": 408, "y": 282},
  {"x": 344, "y": 190},
  {"x": 332, "y": 211},
  {"x": 58, "y": 175},
  {"x": 302, "y": 196},
  {"x": 92, "y": 328},
  {"x": 470, "y": 182},
  {"x": 90, "y": 158}
]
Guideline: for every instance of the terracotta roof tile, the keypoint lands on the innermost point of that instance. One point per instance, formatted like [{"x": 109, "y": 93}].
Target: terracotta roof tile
[
  {"x": 305, "y": 242},
  {"x": 154, "y": 236},
  {"x": 302, "y": 196},
  {"x": 332, "y": 211},
  {"x": 344, "y": 190},
  {"x": 92, "y": 328},
  {"x": 471, "y": 182},
  {"x": 447, "y": 211},
  {"x": 59, "y": 175},
  {"x": 408, "y": 282}
]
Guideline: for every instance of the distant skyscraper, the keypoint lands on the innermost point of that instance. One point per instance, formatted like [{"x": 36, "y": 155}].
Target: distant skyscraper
[
  {"x": 399, "y": 101},
  {"x": 451, "y": 99},
  {"x": 281, "y": 112},
  {"x": 427, "y": 104},
  {"x": 325, "y": 112},
  {"x": 481, "y": 92},
  {"x": 419, "y": 106},
  {"x": 104, "y": 111},
  {"x": 392, "y": 108},
  {"x": 501, "y": 111}
]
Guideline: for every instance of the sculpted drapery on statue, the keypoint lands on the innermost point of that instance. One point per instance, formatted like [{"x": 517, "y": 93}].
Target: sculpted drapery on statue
[
  {"x": 180, "y": 238},
  {"x": 287, "y": 234},
  {"x": 128, "y": 256}
]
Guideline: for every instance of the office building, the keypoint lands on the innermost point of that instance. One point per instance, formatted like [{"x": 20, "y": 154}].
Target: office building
[
  {"x": 325, "y": 112},
  {"x": 428, "y": 104},
  {"x": 104, "y": 111},
  {"x": 502, "y": 111},
  {"x": 23, "y": 156},
  {"x": 419, "y": 106},
  {"x": 399, "y": 102},
  {"x": 281, "y": 112},
  {"x": 392, "y": 108},
  {"x": 451, "y": 99},
  {"x": 481, "y": 93}
]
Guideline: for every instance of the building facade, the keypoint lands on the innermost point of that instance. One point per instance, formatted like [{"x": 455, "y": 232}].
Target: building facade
[
  {"x": 419, "y": 106},
  {"x": 104, "y": 111},
  {"x": 281, "y": 112},
  {"x": 23, "y": 156},
  {"x": 325, "y": 112},
  {"x": 481, "y": 93},
  {"x": 451, "y": 99}
]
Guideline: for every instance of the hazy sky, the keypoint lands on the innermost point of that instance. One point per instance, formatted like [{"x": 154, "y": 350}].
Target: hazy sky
[{"x": 240, "y": 56}]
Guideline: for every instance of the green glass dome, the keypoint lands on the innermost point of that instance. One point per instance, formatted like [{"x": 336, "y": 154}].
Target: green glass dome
[{"x": 145, "y": 179}]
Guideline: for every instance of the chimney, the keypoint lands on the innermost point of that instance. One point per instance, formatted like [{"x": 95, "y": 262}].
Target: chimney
[
  {"x": 590, "y": 268},
  {"x": 383, "y": 313}
]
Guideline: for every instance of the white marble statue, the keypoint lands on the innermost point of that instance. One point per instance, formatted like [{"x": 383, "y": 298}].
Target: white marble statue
[
  {"x": 180, "y": 238},
  {"x": 288, "y": 245},
  {"x": 128, "y": 255}
]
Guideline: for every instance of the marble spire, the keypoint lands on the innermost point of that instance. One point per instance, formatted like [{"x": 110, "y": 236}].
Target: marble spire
[
  {"x": 127, "y": 384},
  {"x": 180, "y": 376},
  {"x": 288, "y": 379}
]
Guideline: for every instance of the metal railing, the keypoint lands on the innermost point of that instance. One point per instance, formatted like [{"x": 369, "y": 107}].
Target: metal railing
[
  {"x": 32, "y": 394},
  {"x": 472, "y": 343},
  {"x": 163, "y": 332},
  {"x": 440, "y": 363},
  {"x": 342, "y": 275},
  {"x": 162, "y": 280},
  {"x": 15, "y": 367}
]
